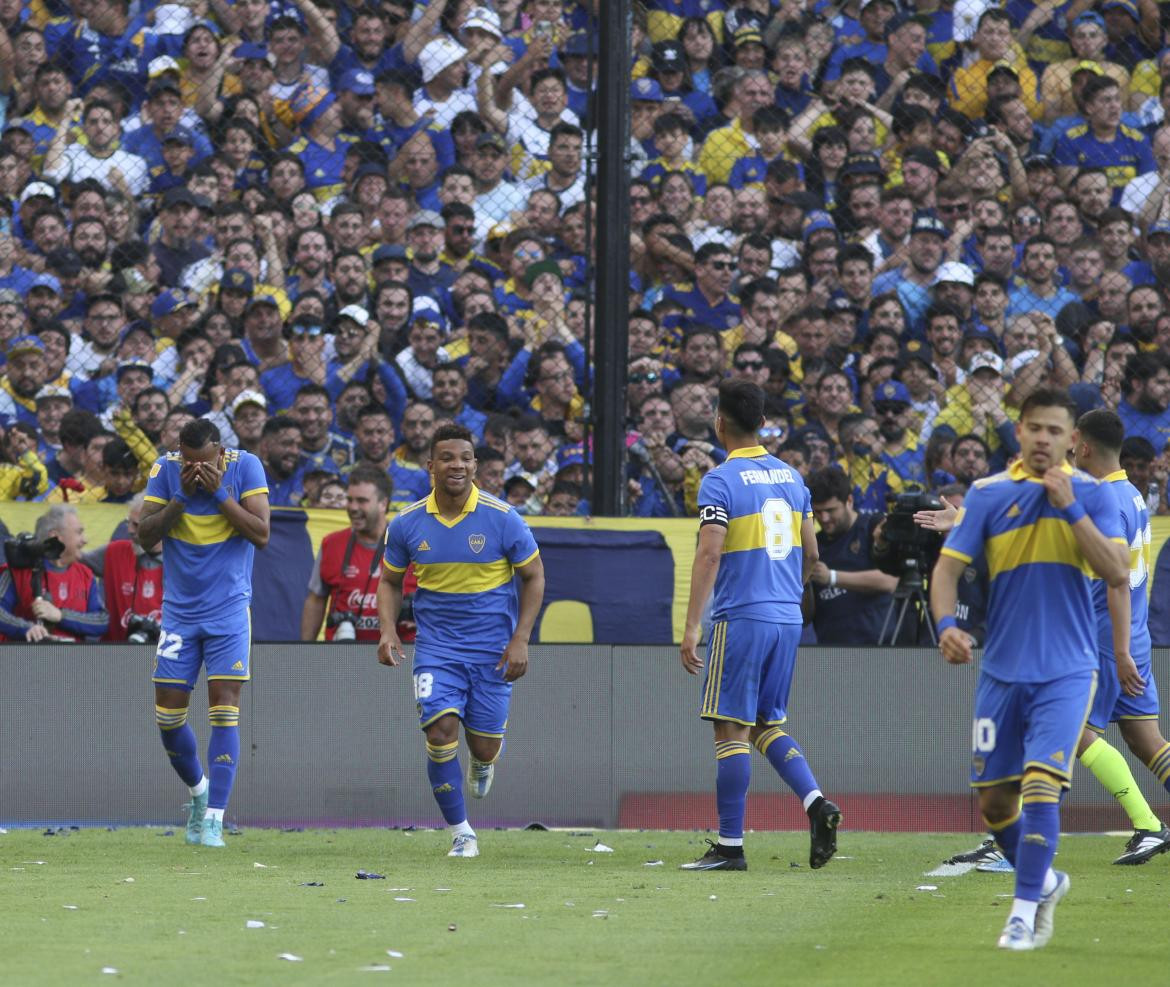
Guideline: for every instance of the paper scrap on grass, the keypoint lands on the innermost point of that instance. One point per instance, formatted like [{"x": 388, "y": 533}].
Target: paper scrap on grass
[
  {"x": 374, "y": 968},
  {"x": 927, "y": 887},
  {"x": 517, "y": 905},
  {"x": 599, "y": 848},
  {"x": 601, "y": 913},
  {"x": 394, "y": 954},
  {"x": 198, "y": 899},
  {"x": 253, "y": 924},
  {"x": 442, "y": 889},
  {"x": 109, "y": 969},
  {"x": 291, "y": 957},
  {"x": 653, "y": 863},
  {"x": 127, "y": 880},
  {"x": 71, "y": 908},
  {"x": 950, "y": 870},
  {"x": 261, "y": 866},
  {"x": 404, "y": 899}
]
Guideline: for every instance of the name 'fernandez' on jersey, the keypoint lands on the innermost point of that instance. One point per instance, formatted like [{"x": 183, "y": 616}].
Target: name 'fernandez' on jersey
[{"x": 762, "y": 502}]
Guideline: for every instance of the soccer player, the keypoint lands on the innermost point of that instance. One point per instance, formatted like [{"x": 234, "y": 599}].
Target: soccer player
[
  {"x": 757, "y": 549},
  {"x": 472, "y": 641},
  {"x": 1126, "y": 693},
  {"x": 209, "y": 507},
  {"x": 1039, "y": 524}
]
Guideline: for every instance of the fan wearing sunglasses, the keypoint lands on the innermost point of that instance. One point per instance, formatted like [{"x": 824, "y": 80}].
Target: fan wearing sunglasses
[{"x": 709, "y": 302}]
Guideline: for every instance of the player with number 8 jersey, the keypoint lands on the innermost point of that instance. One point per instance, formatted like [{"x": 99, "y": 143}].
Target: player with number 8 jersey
[{"x": 757, "y": 548}]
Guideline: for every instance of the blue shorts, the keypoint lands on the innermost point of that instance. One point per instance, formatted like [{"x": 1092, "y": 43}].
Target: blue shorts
[
  {"x": 749, "y": 671},
  {"x": 1021, "y": 725},
  {"x": 1111, "y": 704},
  {"x": 474, "y": 691},
  {"x": 183, "y": 646}
]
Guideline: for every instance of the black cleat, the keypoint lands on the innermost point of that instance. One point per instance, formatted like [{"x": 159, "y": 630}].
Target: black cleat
[
  {"x": 1144, "y": 845},
  {"x": 823, "y": 823},
  {"x": 713, "y": 859},
  {"x": 986, "y": 852}
]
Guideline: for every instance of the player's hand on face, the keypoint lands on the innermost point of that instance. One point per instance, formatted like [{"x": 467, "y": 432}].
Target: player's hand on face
[
  {"x": 210, "y": 474},
  {"x": 820, "y": 574},
  {"x": 1059, "y": 488},
  {"x": 1132, "y": 684},
  {"x": 189, "y": 478},
  {"x": 955, "y": 646},
  {"x": 514, "y": 661},
  {"x": 688, "y": 652},
  {"x": 390, "y": 650}
]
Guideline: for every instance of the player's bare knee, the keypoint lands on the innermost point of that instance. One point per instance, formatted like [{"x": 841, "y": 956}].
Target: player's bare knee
[
  {"x": 484, "y": 749},
  {"x": 224, "y": 692},
  {"x": 999, "y": 804},
  {"x": 1142, "y": 737},
  {"x": 727, "y": 730},
  {"x": 170, "y": 698},
  {"x": 443, "y": 731}
]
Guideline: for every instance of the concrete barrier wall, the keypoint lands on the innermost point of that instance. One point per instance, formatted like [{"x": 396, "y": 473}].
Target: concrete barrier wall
[{"x": 599, "y": 736}]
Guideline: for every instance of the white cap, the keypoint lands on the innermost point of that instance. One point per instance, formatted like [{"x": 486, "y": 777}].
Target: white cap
[
  {"x": 164, "y": 63},
  {"x": 37, "y": 188},
  {"x": 1021, "y": 360},
  {"x": 438, "y": 55},
  {"x": 955, "y": 271},
  {"x": 986, "y": 361},
  {"x": 249, "y": 397},
  {"x": 355, "y": 312},
  {"x": 485, "y": 19}
]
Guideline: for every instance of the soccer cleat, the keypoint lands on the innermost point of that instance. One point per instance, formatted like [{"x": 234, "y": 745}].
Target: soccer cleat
[
  {"x": 823, "y": 824},
  {"x": 1046, "y": 910},
  {"x": 995, "y": 865},
  {"x": 1017, "y": 936},
  {"x": 197, "y": 809},
  {"x": 713, "y": 859},
  {"x": 464, "y": 845},
  {"x": 212, "y": 833},
  {"x": 479, "y": 778},
  {"x": 987, "y": 850},
  {"x": 1145, "y": 844}
]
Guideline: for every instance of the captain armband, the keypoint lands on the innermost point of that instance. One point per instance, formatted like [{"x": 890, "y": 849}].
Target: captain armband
[{"x": 712, "y": 514}]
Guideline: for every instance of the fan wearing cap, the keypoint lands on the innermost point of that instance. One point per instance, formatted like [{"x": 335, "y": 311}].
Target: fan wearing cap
[
  {"x": 913, "y": 281},
  {"x": 994, "y": 45},
  {"x": 496, "y": 198},
  {"x": 977, "y": 407},
  {"x": 1134, "y": 30},
  {"x": 1087, "y": 37},
  {"x": 444, "y": 93},
  {"x": 306, "y": 348},
  {"x": 1103, "y": 141},
  {"x": 321, "y": 149},
  {"x": 164, "y": 104},
  {"x": 425, "y": 352},
  {"x": 24, "y": 476},
  {"x": 100, "y": 156},
  {"x": 25, "y": 375},
  {"x": 178, "y": 245}
]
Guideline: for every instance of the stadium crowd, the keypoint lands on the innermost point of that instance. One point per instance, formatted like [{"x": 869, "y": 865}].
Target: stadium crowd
[{"x": 329, "y": 226}]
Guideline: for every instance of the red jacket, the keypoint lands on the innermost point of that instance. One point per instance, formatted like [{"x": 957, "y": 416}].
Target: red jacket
[{"x": 129, "y": 588}]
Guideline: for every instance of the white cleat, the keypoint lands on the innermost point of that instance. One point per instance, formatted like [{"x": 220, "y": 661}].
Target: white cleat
[
  {"x": 464, "y": 845},
  {"x": 479, "y": 778},
  {"x": 1046, "y": 910},
  {"x": 1016, "y": 936}
]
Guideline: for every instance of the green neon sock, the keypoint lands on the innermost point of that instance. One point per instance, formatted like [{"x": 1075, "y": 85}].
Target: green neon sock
[{"x": 1111, "y": 769}]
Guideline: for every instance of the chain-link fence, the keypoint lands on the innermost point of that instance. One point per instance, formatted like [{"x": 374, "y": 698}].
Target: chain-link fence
[{"x": 331, "y": 227}]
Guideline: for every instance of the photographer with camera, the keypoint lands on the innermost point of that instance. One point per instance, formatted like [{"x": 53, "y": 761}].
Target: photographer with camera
[
  {"x": 132, "y": 578},
  {"x": 46, "y": 592},
  {"x": 971, "y": 605},
  {"x": 851, "y": 596},
  {"x": 345, "y": 573}
]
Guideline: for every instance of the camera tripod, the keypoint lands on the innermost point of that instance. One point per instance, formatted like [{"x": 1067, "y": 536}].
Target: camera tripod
[{"x": 911, "y": 590}]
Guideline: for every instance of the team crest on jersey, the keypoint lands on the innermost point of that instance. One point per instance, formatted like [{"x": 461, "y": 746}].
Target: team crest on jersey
[
  {"x": 350, "y": 572},
  {"x": 476, "y": 543},
  {"x": 63, "y": 592},
  {"x": 147, "y": 591},
  {"x": 978, "y": 764},
  {"x": 127, "y": 588}
]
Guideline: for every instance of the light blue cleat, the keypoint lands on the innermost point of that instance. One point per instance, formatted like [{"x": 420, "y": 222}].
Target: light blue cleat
[
  {"x": 479, "y": 778},
  {"x": 464, "y": 845},
  {"x": 197, "y": 808},
  {"x": 212, "y": 834},
  {"x": 1016, "y": 936}
]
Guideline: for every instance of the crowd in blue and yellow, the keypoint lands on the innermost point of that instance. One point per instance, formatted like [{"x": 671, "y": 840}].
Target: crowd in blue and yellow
[{"x": 329, "y": 225}]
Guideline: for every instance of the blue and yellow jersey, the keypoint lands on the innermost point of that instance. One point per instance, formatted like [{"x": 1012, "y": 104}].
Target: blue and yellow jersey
[
  {"x": 1123, "y": 158},
  {"x": 1135, "y": 519},
  {"x": 207, "y": 564},
  {"x": 465, "y": 605},
  {"x": 762, "y": 502},
  {"x": 1040, "y": 621}
]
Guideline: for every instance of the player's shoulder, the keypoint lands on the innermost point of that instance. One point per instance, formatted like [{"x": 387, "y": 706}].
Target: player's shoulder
[
  {"x": 1083, "y": 480},
  {"x": 1076, "y": 131},
  {"x": 404, "y": 515},
  {"x": 1133, "y": 133},
  {"x": 486, "y": 500},
  {"x": 990, "y": 482}
]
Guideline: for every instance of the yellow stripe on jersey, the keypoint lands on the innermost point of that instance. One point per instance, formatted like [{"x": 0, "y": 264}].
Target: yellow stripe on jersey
[
  {"x": 463, "y": 577},
  {"x": 748, "y": 532},
  {"x": 521, "y": 565},
  {"x": 155, "y": 500},
  {"x": 1049, "y": 540},
  {"x": 252, "y": 493},
  {"x": 393, "y": 568},
  {"x": 202, "y": 529}
]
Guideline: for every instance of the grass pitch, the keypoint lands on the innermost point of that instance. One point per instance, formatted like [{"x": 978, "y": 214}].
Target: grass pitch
[{"x": 159, "y": 912}]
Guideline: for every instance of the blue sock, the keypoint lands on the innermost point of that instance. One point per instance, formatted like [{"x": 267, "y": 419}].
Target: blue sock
[
  {"x": 785, "y": 755},
  {"x": 1007, "y": 836},
  {"x": 223, "y": 754},
  {"x": 447, "y": 781},
  {"x": 733, "y": 773},
  {"x": 179, "y": 741},
  {"x": 1039, "y": 833}
]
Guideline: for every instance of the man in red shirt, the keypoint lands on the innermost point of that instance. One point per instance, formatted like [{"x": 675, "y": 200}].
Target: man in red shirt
[
  {"x": 132, "y": 578},
  {"x": 344, "y": 583}
]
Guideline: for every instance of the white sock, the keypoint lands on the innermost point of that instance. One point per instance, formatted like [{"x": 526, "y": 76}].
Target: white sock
[
  {"x": 199, "y": 787},
  {"x": 811, "y": 797},
  {"x": 1049, "y": 883},
  {"x": 1025, "y": 910},
  {"x": 730, "y": 841},
  {"x": 461, "y": 829},
  {"x": 214, "y": 814}
]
